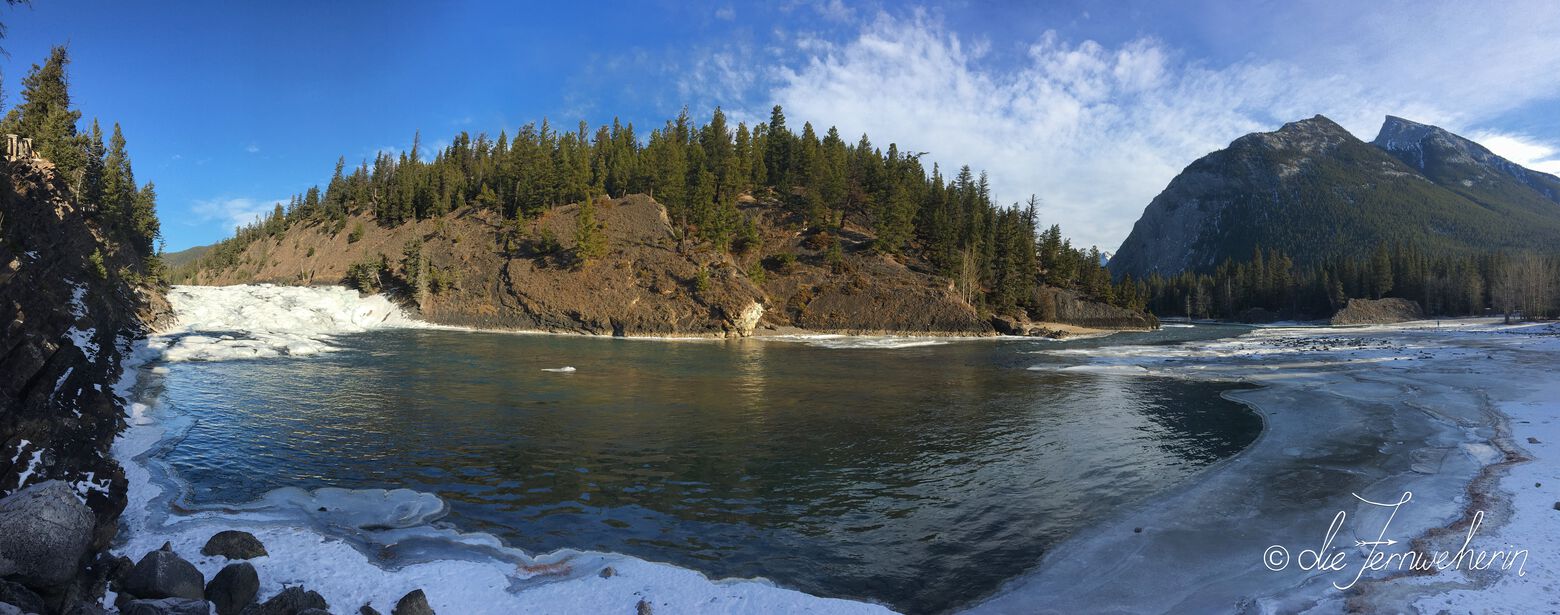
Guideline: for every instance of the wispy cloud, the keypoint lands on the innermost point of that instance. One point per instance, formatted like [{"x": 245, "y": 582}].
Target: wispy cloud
[
  {"x": 252, "y": 148},
  {"x": 1096, "y": 131},
  {"x": 233, "y": 212},
  {"x": 1527, "y": 151}
]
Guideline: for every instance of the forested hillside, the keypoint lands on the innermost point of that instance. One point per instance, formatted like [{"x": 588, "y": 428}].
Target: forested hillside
[
  {"x": 724, "y": 189},
  {"x": 1270, "y": 285}
]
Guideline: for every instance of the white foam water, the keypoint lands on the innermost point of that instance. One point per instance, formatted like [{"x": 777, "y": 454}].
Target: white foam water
[
  {"x": 370, "y": 546},
  {"x": 262, "y": 321}
]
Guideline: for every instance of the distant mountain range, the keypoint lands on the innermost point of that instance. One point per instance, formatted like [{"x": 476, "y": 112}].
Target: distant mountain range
[{"x": 1314, "y": 191}]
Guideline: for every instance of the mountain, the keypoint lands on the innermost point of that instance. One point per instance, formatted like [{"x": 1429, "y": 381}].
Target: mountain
[
  {"x": 1466, "y": 167},
  {"x": 1314, "y": 191},
  {"x": 174, "y": 260}
]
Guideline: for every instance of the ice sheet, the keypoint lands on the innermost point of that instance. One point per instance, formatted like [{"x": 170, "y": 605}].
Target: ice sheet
[{"x": 1377, "y": 411}]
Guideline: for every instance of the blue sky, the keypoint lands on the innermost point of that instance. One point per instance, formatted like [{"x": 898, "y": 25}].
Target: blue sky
[{"x": 1093, "y": 106}]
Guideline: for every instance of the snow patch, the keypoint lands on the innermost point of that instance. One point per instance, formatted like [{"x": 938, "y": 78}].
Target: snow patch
[
  {"x": 83, "y": 340},
  {"x": 61, "y": 382},
  {"x": 78, "y": 295},
  {"x": 861, "y": 341},
  {"x": 32, "y": 466}
]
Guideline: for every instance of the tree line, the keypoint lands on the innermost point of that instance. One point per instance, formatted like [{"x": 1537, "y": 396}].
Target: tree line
[
  {"x": 99, "y": 176},
  {"x": 1271, "y": 285},
  {"x": 995, "y": 254}
]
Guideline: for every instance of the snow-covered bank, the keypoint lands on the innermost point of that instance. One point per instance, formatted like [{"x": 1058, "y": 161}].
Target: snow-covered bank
[
  {"x": 359, "y": 547},
  {"x": 1376, "y": 412}
]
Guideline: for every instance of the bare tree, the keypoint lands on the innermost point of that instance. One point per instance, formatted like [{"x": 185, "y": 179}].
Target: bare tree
[
  {"x": 1525, "y": 284},
  {"x": 968, "y": 281}
]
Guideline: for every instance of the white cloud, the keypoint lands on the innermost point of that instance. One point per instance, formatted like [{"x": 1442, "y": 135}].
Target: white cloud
[
  {"x": 234, "y": 212},
  {"x": 1527, "y": 151},
  {"x": 1098, "y": 131},
  {"x": 252, "y": 148},
  {"x": 726, "y": 13}
]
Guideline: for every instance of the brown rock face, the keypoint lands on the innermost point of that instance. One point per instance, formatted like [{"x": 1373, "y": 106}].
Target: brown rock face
[
  {"x": 651, "y": 282},
  {"x": 70, "y": 303}
]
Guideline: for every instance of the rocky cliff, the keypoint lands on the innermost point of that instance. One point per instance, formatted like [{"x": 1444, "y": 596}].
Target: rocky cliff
[
  {"x": 473, "y": 268},
  {"x": 1314, "y": 191},
  {"x": 73, "y": 296}
]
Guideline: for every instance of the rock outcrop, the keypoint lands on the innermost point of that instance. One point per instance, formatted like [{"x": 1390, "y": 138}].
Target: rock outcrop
[
  {"x": 1314, "y": 191},
  {"x": 74, "y": 294},
  {"x": 1378, "y": 312}
]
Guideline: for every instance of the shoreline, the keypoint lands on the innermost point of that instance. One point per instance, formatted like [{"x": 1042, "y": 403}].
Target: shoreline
[
  {"x": 1297, "y": 382},
  {"x": 761, "y": 331}
]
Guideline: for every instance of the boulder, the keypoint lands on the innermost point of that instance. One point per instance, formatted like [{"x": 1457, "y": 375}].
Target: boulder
[
  {"x": 290, "y": 601},
  {"x": 233, "y": 588},
  {"x": 1007, "y": 325},
  {"x": 85, "y": 608},
  {"x": 8, "y": 609},
  {"x": 314, "y": 612},
  {"x": 163, "y": 574},
  {"x": 16, "y": 595},
  {"x": 166, "y": 606},
  {"x": 234, "y": 544},
  {"x": 115, "y": 569},
  {"x": 413, "y": 603},
  {"x": 44, "y": 532},
  {"x": 368, "y": 610}
]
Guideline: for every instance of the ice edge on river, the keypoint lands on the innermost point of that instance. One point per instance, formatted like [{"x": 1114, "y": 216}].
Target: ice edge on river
[
  {"x": 1463, "y": 414},
  {"x": 329, "y": 550}
]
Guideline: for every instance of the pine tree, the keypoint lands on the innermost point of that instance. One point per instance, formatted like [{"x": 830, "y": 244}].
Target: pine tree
[
  {"x": 144, "y": 227},
  {"x": 589, "y": 242},
  {"x": 777, "y": 153},
  {"x": 119, "y": 188},
  {"x": 46, "y": 116},
  {"x": 92, "y": 169},
  {"x": 1381, "y": 272}
]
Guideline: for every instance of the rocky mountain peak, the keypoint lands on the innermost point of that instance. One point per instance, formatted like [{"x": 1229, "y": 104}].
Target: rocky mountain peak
[
  {"x": 1452, "y": 159},
  {"x": 1308, "y": 136},
  {"x": 1409, "y": 140}
]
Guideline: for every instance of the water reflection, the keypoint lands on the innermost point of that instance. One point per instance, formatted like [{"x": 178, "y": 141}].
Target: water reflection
[{"x": 919, "y": 477}]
